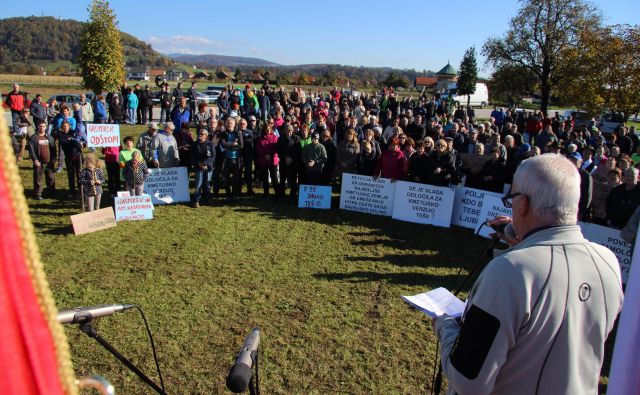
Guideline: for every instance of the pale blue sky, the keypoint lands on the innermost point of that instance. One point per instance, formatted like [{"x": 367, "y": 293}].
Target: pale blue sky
[{"x": 401, "y": 34}]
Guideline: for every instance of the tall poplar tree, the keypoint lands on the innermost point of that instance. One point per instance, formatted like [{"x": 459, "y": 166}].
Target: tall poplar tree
[
  {"x": 468, "y": 74},
  {"x": 101, "y": 55}
]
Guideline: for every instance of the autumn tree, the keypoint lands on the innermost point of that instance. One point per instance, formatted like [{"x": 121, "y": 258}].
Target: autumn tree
[
  {"x": 101, "y": 55},
  {"x": 510, "y": 83},
  {"x": 468, "y": 74},
  {"x": 537, "y": 38},
  {"x": 605, "y": 70}
]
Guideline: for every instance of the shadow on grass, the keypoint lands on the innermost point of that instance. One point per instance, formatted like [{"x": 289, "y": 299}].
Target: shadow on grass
[{"x": 411, "y": 279}]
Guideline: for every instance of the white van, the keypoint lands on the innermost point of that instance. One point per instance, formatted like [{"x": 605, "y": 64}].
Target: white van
[{"x": 479, "y": 98}]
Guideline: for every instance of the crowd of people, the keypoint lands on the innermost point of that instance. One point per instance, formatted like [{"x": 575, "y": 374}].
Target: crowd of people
[{"x": 277, "y": 139}]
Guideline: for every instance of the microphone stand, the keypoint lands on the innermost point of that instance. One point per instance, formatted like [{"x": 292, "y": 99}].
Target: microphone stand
[{"x": 90, "y": 331}]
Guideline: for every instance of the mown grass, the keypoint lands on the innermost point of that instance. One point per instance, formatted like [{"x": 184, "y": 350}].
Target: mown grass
[{"x": 324, "y": 287}]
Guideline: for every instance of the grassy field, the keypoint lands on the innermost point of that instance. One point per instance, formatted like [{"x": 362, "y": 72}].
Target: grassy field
[{"x": 324, "y": 287}]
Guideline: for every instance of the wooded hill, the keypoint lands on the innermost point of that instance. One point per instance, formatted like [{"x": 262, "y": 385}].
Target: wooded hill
[{"x": 30, "y": 40}]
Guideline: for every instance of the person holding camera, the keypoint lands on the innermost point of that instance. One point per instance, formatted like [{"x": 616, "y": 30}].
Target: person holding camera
[{"x": 538, "y": 315}]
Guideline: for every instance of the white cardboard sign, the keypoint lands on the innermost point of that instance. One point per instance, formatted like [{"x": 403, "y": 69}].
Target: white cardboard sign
[
  {"x": 423, "y": 203},
  {"x": 103, "y": 135},
  {"x": 467, "y": 206},
  {"x": 611, "y": 239},
  {"x": 366, "y": 195},
  {"x": 168, "y": 185}
]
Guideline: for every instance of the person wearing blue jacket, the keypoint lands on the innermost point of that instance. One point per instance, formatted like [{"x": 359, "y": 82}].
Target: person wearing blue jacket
[
  {"x": 63, "y": 116},
  {"x": 132, "y": 106},
  {"x": 180, "y": 113},
  {"x": 100, "y": 110}
]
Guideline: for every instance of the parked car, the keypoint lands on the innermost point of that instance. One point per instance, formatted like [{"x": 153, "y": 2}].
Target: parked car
[
  {"x": 68, "y": 98},
  {"x": 479, "y": 98},
  {"x": 213, "y": 95},
  {"x": 580, "y": 117},
  {"x": 609, "y": 121}
]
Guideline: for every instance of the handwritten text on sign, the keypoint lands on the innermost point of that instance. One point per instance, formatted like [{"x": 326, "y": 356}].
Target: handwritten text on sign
[
  {"x": 366, "y": 195},
  {"x": 611, "y": 239},
  {"x": 103, "y": 135},
  {"x": 492, "y": 206},
  {"x": 133, "y": 208},
  {"x": 467, "y": 206},
  {"x": 169, "y": 185},
  {"x": 93, "y": 221},
  {"x": 314, "y": 196},
  {"x": 422, "y": 203}
]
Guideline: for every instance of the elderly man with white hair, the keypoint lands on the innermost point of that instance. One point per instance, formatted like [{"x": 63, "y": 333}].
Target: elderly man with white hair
[{"x": 538, "y": 316}]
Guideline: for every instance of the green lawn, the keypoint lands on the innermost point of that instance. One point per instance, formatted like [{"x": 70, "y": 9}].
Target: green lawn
[{"x": 324, "y": 287}]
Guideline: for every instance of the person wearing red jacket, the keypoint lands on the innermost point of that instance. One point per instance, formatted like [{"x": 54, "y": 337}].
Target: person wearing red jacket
[
  {"x": 392, "y": 163},
  {"x": 267, "y": 158},
  {"x": 15, "y": 101}
]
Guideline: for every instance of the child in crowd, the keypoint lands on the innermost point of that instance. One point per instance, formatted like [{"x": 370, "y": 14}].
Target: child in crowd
[
  {"x": 91, "y": 179},
  {"x": 135, "y": 173}
]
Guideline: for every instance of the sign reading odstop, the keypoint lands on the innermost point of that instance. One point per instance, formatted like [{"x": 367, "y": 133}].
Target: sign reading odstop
[{"x": 103, "y": 135}]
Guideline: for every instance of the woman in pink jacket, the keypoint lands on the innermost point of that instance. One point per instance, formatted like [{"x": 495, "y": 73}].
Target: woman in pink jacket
[
  {"x": 392, "y": 163},
  {"x": 267, "y": 158}
]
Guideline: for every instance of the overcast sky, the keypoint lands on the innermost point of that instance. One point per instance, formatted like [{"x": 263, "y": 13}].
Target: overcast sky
[{"x": 401, "y": 34}]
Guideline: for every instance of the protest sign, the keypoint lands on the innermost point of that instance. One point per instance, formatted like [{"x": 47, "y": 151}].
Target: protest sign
[
  {"x": 103, "y": 135},
  {"x": 492, "y": 206},
  {"x": 93, "y": 221},
  {"x": 611, "y": 239},
  {"x": 366, "y": 195},
  {"x": 467, "y": 206},
  {"x": 422, "y": 203},
  {"x": 133, "y": 208},
  {"x": 168, "y": 185},
  {"x": 314, "y": 196}
]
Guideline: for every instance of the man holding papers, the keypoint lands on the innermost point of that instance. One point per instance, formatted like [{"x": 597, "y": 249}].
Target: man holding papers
[{"x": 539, "y": 314}]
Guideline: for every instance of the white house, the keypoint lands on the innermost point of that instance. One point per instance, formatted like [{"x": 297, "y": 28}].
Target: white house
[{"x": 138, "y": 74}]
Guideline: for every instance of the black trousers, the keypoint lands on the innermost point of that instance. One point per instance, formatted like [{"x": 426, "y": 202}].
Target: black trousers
[
  {"x": 232, "y": 177},
  {"x": 289, "y": 175},
  {"x": 265, "y": 171},
  {"x": 113, "y": 177},
  {"x": 73, "y": 173}
]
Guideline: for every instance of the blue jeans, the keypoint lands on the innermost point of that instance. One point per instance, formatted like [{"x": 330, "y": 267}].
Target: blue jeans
[
  {"x": 202, "y": 184},
  {"x": 132, "y": 115}
]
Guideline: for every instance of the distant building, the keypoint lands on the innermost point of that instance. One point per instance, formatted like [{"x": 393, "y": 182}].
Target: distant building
[
  {"x": 445, "y": 76},
  {"x": 425, "y": 82},
  {"x": 221, "y": 75},
  {"x": 138, "y": 74},
  {"x": 153, "y": 73},
  {"x": 176, "y": 75},
  {"x": 202, "y": 75},
  {"x": 253, "y": 78}
]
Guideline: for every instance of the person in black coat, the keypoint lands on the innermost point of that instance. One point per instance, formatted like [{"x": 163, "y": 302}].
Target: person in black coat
[
  {"x": 202, "y": 159},
  {"x": 492, "y": 175},
  {"x": 418, "y": 164},
  {"x": 623, "y": 200},
  {"x": 441, "y": 168},
  {"x": 367, "y": 160},
  {"x": 332, "y": 152},
  {"x": 290, "y": 154}
]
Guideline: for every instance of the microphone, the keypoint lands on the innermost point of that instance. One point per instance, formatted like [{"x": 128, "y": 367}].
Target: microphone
[
  {"x": 240, "y": 373},
  {"x": 84, "y": 314}
]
